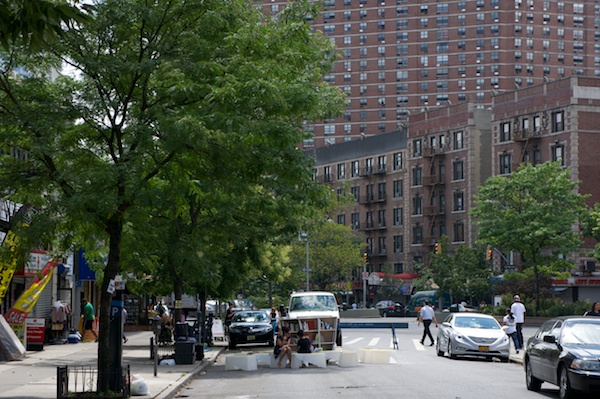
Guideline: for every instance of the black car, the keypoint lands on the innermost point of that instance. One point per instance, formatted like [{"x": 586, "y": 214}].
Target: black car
[
  {"x": 251, "y": 327},
  {"x": 565, "y": 351},
  {"x": 394, "y": 310}
]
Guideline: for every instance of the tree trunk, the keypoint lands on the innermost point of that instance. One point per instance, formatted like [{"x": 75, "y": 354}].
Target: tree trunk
[{"x": 115, "y": 230}]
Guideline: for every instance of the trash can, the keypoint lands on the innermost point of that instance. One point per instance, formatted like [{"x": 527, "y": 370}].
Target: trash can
[{"x": 181, "y": 330}]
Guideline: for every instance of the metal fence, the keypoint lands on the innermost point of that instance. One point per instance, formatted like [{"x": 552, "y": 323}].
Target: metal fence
[{"x": 73, "y": 381}]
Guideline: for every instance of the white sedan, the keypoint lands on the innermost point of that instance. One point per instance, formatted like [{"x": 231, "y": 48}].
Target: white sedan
[{"x": 472, "y": 334}]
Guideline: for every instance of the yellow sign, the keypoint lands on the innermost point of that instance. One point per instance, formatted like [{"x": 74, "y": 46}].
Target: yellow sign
[{"x": 7, "y": 270}]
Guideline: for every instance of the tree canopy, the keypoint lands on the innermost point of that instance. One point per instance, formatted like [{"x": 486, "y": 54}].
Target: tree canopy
[
  {"x": 174, "y": 110},
  {"x": 533, "y": 211}
]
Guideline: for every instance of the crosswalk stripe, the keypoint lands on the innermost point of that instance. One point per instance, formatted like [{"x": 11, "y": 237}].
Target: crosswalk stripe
[
  {"x": 355, "y": 340},
  {"x": 418, "y": 345},
  {"x": 373, "y": 342}
]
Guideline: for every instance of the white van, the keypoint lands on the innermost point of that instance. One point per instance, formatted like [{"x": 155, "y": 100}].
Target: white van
[{"x": 315, "y": 304}]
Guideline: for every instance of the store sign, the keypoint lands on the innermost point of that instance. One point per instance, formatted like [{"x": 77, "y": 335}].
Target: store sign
[
  {"x": 36, "y": 262},
  {"x": 35, "y": 330},
  {"x": 577, "y": 282}
]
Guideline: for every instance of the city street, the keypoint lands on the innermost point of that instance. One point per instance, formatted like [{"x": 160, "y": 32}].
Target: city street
[{"x": 416, "y": 372}]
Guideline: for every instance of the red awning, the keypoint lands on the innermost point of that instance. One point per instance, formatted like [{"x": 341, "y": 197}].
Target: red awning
[{"x": 399, "y": 276}]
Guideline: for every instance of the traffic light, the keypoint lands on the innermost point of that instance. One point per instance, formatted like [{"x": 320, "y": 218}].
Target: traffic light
[
  {"x": 366, "y": 258},
  {"x": 488, "y": 254},
  {"x": 438, "y": 248}
]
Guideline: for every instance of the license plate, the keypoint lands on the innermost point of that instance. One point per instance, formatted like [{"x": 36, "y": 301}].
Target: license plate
[
  {"x": 484, "y": 348},
  {"x": 250, "y": 337}
]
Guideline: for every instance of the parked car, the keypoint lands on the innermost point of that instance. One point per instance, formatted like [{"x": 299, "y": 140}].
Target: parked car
[
  {"x": 565, "y": 351},
  {"x": 458, "y": 307},
  {"x": 384, "y": 304},
  {"x": 251, "y": 327},
  {"x": 394, "y": 310},
  {"x": 472, "y": 334}
]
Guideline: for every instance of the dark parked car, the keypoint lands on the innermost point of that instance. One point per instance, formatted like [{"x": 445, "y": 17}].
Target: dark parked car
[
  {"x": 394, "y": 310},
  {"x": 565, "y": 351},
  {"x": 250, "y": 327}
]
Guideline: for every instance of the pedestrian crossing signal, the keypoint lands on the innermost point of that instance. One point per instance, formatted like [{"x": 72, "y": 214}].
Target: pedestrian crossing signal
[{"x": 438, "y": 248}]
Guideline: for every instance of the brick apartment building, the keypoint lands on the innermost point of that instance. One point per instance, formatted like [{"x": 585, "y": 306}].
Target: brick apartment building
[
  {"x": 414, "y": 185},
  {"x": 400, "y": 57}
]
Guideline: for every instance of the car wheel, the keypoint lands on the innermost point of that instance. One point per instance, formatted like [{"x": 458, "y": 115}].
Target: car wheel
[
  {"x": 439, "y": 350},
  {"x": 232, "y": 343},
  {"x": 450, "y": 354},
  {"x": 338, "y": 338},
  {"x": 504, "y": 359},
  {"x": 533, "y": 384},
  {"x": 564, "y": 388}
]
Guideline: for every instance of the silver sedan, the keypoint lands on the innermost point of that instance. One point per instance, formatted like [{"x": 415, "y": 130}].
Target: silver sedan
[{"x": 472, "y": 334}]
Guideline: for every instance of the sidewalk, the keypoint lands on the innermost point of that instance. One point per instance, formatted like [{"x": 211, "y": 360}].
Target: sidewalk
[{"x": 34, "y": 376}]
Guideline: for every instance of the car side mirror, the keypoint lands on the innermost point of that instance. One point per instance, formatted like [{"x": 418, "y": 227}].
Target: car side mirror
[
  {"x": 446, "y": 324},
  {"x": 550, "y": 339}
]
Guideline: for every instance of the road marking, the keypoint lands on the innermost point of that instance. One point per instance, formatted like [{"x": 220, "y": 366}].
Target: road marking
[
  {"x": 373, "y": 342},
  {"x": 354, "y": 341},
  {"x": 418, "y": 345}
]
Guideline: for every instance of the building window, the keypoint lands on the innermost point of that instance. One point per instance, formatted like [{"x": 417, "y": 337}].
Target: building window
[
  {"x": 381, "y": 218},
  {"x": 327, "y": 173},
  {"x": 381, "y": 242},
  {"x": 341, "y": 171},
  {"x": 369, "y": 166},
  {"x": 458, "y": 170},
  {"x": 381, "y": 163},
  {"x": 369, "y": 220},
  {"x": 355, "y": 220},
  {"x": 505, "y": 164},
  {"x": 417, "y": 148},
  {"x": 558, "y": 154},
  {"x": 398, "y": 217},
  {"x": 459, "y": 232},
  {"x": 398, "y": 189},
  {"x": 417, "y": 176},
  {"x": 459, "y": 204},
  {"x": 417, "y": 205},
  {"x": 558, "y": 121},
  {"x": 417, "y": 234},
  {"x": 398, "y": 161},
  {"x": 505, "y": 133},
  {"x": 458, "y": 140},
  {"x": 381, "y": 191},
  {"x": 398, "y": 246},
  {"x": 355, "y": 191},
  {"x": 355, "y": 168}
]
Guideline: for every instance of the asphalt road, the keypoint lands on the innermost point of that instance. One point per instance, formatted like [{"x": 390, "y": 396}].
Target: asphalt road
[{"x": 416, "y": 372}]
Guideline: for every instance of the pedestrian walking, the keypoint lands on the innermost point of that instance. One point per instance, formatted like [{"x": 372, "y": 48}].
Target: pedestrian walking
[
  {"x": 427, "y": 315},
  {"x": 595, "y": 311},
  {"x": 88, "y": 317},
  {"x": 510, "y": 328},
  {"x": 518, "y": 310},
  {"x": 123, "y": 321}
]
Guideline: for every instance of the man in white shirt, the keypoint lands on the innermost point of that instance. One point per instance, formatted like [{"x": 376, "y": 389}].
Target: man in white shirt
[
  {"x": 518, "y": 310},
  {"x": 427, "y": 315}
]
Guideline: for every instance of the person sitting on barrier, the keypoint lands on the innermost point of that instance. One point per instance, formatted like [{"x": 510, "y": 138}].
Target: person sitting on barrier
[
  {"x": 284, "y": 342},
  {"x": 304, "y": 344}
]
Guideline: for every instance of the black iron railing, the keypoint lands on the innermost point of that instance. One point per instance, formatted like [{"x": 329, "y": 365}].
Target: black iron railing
[{"x": 73, "y": 381}]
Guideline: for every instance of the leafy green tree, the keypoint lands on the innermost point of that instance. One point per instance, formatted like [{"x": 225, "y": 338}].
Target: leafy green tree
[
  {"x": 464, "y": 273},
  {"x": 34, "y": 23},
  {"x": 156, "y": 84},
  {"x": 533, "y": 211},
  {"x": 334, "y": 251}
]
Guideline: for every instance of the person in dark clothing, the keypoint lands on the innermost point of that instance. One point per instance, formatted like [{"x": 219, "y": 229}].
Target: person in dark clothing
[
  {"x": 304, "y": 343},
  {"x": 595, "y": 311}
]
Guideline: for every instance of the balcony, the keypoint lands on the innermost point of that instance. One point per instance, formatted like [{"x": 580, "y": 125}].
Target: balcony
[
  {"x": 526, "y": 134},
  {"x": 433, "y": 151},
  {"x": 381, "y": 170},
  {"x": 431, "y": 210},
  {"x": 365, "y": 172},
  {"x": 434, "y": 180}
]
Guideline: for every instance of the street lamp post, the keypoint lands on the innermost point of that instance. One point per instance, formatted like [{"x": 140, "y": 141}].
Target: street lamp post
[{"x": 304, "y": 236}]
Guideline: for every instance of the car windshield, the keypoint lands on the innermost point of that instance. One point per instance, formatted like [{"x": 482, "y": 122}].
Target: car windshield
[
  {"x": 476, "y": 322},
  {"x": 581, "y": 332},
  {"x": 251, "y": 317},
  {"x": 313, "y": 302}
]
